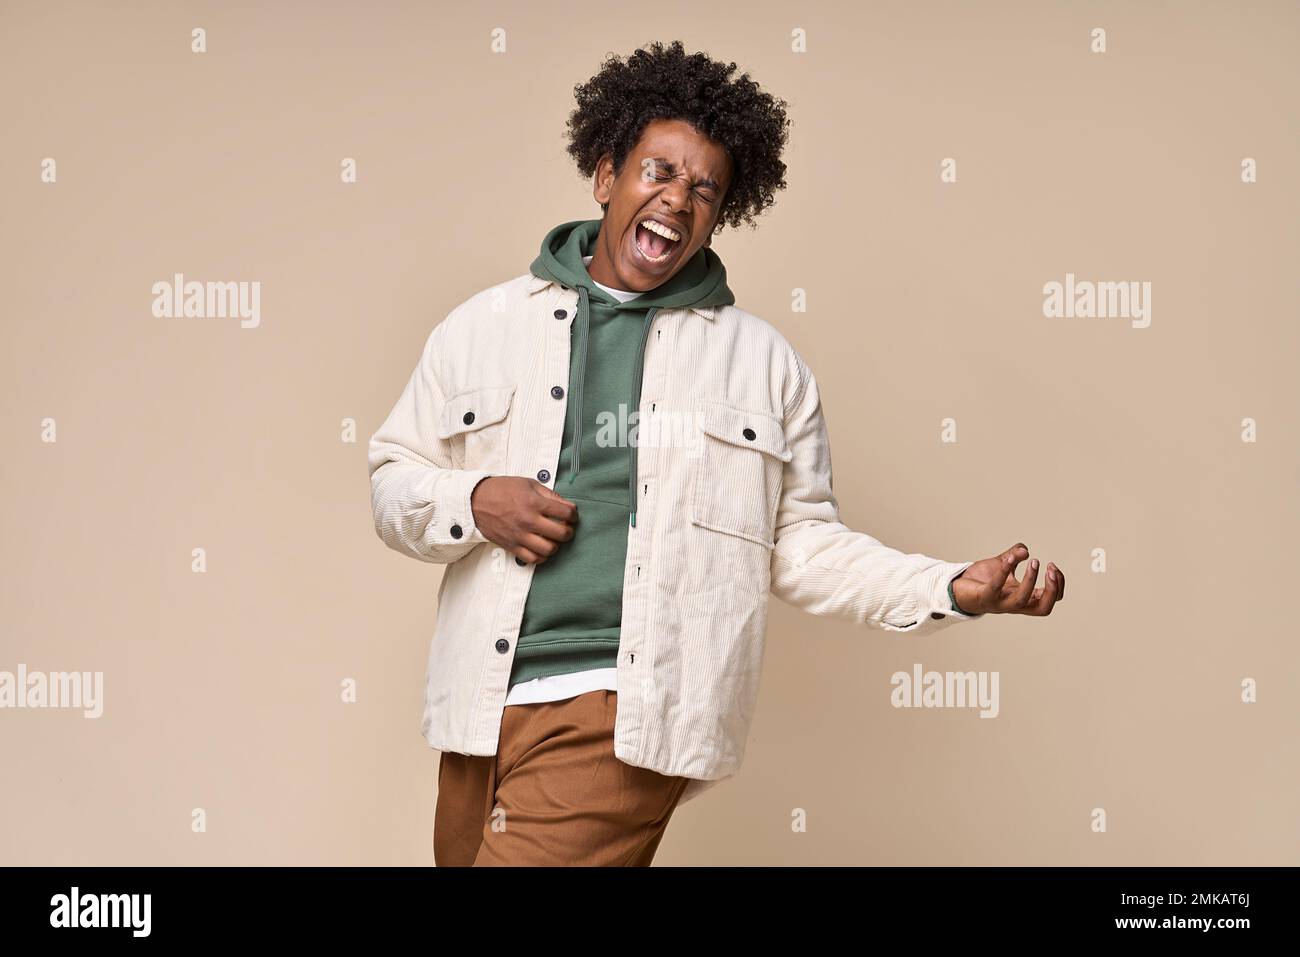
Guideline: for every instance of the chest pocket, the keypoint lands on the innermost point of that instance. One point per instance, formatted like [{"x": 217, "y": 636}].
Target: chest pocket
[
  {"x": 736, "y": 482},
  {"x": 476, "y": 423}
]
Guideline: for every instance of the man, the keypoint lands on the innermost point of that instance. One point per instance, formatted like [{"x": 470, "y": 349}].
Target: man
[{"x": 617, "y": 465}]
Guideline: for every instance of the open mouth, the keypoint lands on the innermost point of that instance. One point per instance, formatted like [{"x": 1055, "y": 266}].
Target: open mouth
[{"x": 656, "y": 242}]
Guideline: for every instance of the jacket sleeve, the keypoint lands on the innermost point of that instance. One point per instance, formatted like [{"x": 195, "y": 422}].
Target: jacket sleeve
[
  {"x": 825, "y": 568},
  {"x": 420, "y": 499}
]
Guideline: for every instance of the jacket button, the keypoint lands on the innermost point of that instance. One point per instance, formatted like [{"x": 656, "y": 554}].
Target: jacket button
[
  {"x": 749, "y": 434},
  {"x": 935, "y": 614},
  {"x": 457, "y": 531},
  {"x": 557, "y": 392},
  {"x": 467, "y": 418},
  {"x": 519, "y": 561},
  {"x": 502, "y": 645},
  {"x": 544, "y": 475},
  {"x": 561, "y": 314}
]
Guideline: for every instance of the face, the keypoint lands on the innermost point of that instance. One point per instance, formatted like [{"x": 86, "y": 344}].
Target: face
[{"x": 674, "y": 179}]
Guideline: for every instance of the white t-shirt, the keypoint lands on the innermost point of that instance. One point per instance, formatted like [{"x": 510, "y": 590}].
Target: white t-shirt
[{"x": 559, "y": 687}]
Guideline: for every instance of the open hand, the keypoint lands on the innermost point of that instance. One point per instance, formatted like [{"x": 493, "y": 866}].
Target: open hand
[{"x": 990, "y": 586}]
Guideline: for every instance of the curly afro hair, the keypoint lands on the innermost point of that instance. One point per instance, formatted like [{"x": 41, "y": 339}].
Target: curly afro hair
[{"x": 661, "y": 82}]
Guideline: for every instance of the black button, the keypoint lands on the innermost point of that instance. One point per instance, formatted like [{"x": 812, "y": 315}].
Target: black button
[
  {"x": 543, "y": 476},
  {"x": 561, "y": 314},
  {"x": 502, "y": 645},
  {"x": 935, "y": 614},
  {"x": 519, "y": 561},
  {"x": 749, "y": 434},
  {"x": 467, "y": 418},
  {"x": 557, "y": 392},
  {"x": 457, "y": 531}
]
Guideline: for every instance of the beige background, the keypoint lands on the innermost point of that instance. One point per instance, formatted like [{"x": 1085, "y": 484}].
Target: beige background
[{"x": 222, "y": 689}]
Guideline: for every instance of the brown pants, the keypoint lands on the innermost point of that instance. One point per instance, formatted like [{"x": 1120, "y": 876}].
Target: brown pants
[{"x": 553, "y": 794}]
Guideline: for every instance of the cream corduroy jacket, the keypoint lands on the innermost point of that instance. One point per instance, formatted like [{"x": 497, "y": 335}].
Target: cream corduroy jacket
[{"x": 734, "y": 502}]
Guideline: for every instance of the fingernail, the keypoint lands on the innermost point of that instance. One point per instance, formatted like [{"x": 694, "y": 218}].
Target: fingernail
[{"x": 1033, "y": 563}]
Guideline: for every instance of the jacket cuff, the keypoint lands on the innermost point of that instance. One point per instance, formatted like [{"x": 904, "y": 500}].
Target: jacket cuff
[
  {"x": 940, "y": 600},
  {"x": 453, "y": 522}
]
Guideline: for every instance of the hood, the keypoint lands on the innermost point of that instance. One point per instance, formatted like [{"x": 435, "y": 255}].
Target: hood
[{"x": 701, "y": 282}]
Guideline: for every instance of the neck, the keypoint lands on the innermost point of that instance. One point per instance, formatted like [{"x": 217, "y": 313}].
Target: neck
[{"x": 600, "y": 269}]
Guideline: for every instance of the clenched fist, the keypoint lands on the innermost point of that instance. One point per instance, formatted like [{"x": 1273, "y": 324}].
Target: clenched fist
[{"x": 523, "y": 516}]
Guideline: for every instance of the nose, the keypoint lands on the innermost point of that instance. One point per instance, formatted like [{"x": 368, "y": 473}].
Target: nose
[{"x": 675, "y": 196}]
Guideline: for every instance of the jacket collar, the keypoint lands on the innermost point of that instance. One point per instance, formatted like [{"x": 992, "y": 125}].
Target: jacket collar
[{"x": 537, "y": 283}]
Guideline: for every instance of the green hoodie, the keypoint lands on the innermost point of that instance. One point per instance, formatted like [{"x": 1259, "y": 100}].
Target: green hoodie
[{"x": 572, "y": 617}]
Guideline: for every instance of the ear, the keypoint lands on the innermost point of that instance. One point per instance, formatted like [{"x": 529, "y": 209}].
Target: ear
[{"x": 603, "y": 180}]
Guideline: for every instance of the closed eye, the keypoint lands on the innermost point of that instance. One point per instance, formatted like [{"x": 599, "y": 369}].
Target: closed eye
[{"x": 708, "y": 195}]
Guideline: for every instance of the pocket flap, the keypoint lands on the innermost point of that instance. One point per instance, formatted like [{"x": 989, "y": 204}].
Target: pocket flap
[
  {"x": 473, "y": 409},
  {"x": 747, "y": 429}
]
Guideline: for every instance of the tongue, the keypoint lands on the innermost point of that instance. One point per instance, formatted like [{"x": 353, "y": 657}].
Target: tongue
[{"x": 653, "y": 244}]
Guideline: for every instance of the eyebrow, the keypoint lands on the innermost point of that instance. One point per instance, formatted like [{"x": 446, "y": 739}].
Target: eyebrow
[{"x": 672, "y": 168}]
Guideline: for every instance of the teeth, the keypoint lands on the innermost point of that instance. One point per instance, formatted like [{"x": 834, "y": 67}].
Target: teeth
[{"x": 661, "y": 230}]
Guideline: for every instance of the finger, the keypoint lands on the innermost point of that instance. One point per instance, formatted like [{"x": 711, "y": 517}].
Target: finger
[
  {"x": 1046, "y": 597},
  {"x": 550, "y": 528},
  {"x": 525, "y": 557},
  {"x": 543, "y": 548},
  {"x": 547, "y": 492},
  {"x": 1012, "y": 557},
  {"x": 997, "y": 583},
  {"x": 556, "y": 506},
  {"x": 1051, "y": 592},
  {"x": 1024, "y": 593},
  {"x": 1060, "y": 581},
  {"x": 1049, "y": 586}
]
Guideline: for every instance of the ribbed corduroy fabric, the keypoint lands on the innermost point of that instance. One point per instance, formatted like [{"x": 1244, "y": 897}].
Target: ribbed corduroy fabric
[{"x": 734, "y": 501}]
